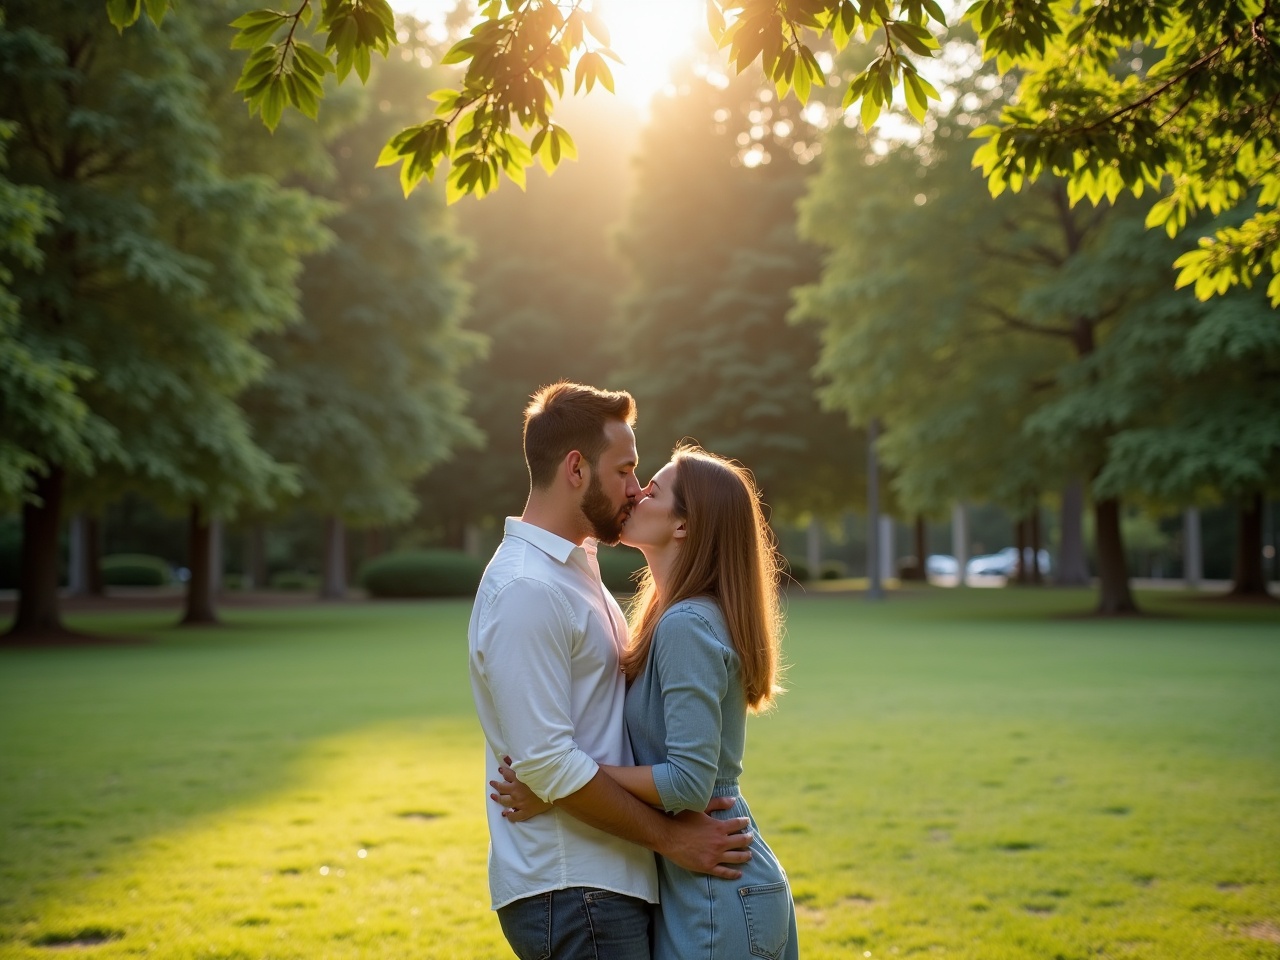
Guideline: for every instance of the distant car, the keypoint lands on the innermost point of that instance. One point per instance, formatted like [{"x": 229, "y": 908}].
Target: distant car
[
  {"x": 942, "y": 565},
  {"x": 1004, "y": 563}
]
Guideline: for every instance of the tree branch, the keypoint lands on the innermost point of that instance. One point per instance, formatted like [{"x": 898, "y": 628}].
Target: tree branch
[{"x": 1016, "y": 323}]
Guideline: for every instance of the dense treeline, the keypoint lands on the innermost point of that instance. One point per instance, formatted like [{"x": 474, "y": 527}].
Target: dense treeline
[
  {"x": 168, "y": 330},
  {"x": 262, "y": 335}
]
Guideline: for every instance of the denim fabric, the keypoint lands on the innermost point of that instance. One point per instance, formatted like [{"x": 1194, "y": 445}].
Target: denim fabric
[
  {"x": 686, "y": 713},
  {"x": 577, "y": 923}
]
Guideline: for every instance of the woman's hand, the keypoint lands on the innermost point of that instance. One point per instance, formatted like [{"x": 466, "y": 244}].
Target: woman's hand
[{"x": 519, "y": 803}]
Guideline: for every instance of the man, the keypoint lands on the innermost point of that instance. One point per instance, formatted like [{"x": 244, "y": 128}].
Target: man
[{"x": 544, "y": 640}]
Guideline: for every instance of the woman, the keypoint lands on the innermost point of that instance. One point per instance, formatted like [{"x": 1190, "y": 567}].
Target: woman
[{"x": 704, "y": 651}]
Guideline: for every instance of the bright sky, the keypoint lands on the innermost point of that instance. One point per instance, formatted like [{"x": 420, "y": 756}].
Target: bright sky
[{"x": 649, "y": 36}]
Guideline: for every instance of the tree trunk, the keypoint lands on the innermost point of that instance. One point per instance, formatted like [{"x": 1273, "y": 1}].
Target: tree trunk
[
  {"x": 93, "y": 556},
  {"x": 813, "y": 551},
  {"x": 374, "y": 543},
  {"x": 960, "y": 541},
  {"x": 1073, "y": 570},
  {"x": 1249, "y": 577},
  {"x": 1037, "y": 575},
  {"x": 1192, "y": 551},
  {"x": 38, "y": 615},
  {"x": 920, "y": 544},
  {"x": 1115, "y": 596},
  {"x": 333, "y": 580},
  {"x": 199, "y": 609},
  {"x": 875, "y": 588},
  {"x": 255, "y": 557},
  {"x": 1020, "y": 541},
  {"x": 77, "y": 557}
]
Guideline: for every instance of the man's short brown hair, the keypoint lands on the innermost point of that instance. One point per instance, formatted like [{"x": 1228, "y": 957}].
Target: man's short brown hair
[{"x": 569, "y": 416}]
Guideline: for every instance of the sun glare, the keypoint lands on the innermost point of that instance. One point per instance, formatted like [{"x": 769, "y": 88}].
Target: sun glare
[{"x": 650, "y": 36}]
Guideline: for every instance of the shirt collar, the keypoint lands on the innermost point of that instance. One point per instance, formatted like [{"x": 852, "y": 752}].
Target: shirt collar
[{"x": 553, "y": 545}]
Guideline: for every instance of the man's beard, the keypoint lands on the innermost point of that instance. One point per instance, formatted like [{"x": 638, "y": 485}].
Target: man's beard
[{"x": 601, "y": 513}]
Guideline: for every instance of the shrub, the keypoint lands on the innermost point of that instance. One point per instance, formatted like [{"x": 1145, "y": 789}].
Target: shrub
[
  {"x": 422, "y": 573},
  {"x": 619, "y": 566},
  {"x": 294, "y": 580},
  {"x": 135, "y": 570},
  {"x": 833, "y": 570}
]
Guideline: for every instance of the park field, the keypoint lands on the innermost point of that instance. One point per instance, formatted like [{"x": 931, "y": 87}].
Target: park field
[{"x": 985, "y": 775}]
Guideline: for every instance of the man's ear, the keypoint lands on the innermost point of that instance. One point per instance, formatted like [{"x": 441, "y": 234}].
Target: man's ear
[{"x": 577, "y": 469}]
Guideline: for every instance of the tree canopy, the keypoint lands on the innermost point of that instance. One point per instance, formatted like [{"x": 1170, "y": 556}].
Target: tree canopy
[
  {"x": 702, "y": 338},
  {"x": 1176, "y": 95}
]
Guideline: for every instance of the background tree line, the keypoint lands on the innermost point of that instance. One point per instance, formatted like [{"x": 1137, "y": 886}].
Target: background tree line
[{"x": 271, "y": 328}]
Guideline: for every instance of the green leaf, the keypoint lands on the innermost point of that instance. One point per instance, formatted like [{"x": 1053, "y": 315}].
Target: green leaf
[
  {"x": 870, "y": 110},
  {"x": 255, "y": 18},
  {"x": 156, "y": 9},
  {"x": 272, "y": 103},
  {"x": 316, "y": 62},
  {"x": 123, "y": 13},
  {"x": 915, "y": 95},
  {"x": 254, "y": 36}
]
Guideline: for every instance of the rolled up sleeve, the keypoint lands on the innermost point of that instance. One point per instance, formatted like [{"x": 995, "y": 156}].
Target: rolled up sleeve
[
  {"x": 525, "y": 641},
  {"x": 693, "y": 672}
]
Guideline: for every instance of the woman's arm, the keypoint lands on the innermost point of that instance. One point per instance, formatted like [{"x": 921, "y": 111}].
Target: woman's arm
[
  {"x": 637, "y": 781},
  {"x": 693, "y": 675}
]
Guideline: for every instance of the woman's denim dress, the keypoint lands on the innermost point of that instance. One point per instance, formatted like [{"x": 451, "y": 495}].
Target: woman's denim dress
[{"x": 686, "y": 714}]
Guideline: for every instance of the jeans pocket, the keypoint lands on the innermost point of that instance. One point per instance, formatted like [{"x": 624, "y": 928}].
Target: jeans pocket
[
  {"x": 527, "y": 926},
  {"x": 767, "y": 908}
]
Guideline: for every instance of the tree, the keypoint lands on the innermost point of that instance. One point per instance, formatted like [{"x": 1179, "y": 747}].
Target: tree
[
  {"x": 952, "y": 318},
  {"x": 1115, "y": 96},
  {"x": 1205, "y": 379},
  {"x": 154, "y": 283},
  {"x": 702, "y": 337},
  {"x": 39, "y": 407},
  {"x": 543, "y": 298},
  {"x": 364, "y": 394}
]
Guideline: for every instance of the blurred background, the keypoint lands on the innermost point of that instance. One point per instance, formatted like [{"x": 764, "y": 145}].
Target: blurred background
[{"x": 237, "y": 361}]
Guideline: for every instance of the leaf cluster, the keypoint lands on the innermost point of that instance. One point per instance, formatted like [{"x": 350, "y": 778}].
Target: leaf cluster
[{"x": 1172, "y": 95}]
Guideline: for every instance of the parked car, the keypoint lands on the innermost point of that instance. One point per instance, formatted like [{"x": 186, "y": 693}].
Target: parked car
[
  {"x": 942, "y": 565},
  {"x": 1004, "y": 563}
]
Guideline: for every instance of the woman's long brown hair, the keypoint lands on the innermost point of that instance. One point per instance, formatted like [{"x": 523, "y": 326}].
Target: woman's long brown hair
[{"x": 729, "y": 554}]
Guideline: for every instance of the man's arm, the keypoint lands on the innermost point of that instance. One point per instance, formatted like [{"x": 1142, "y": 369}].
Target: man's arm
[{"x": 691, "y": 839}]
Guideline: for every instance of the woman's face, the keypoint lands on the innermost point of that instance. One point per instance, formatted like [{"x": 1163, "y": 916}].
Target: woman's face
[{"x": 653, "y": 522}]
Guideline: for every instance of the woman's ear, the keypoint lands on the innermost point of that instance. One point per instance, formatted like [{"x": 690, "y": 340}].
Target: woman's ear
[{"x": 680, "y": 532}]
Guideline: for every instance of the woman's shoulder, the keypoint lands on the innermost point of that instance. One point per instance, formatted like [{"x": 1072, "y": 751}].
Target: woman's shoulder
[{"x": 700, "y": 616}]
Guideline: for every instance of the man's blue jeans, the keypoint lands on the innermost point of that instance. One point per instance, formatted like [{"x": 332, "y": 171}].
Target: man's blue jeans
[{"x": 577, "y": 923}]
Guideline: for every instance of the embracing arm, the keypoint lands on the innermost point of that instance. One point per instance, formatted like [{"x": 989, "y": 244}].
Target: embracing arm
[
  {"x": 526, "y": 669},
  {"x": 693, "y": 669},
  {"x": 637, "y": 781},
  {"x": 694, "y": 840}
]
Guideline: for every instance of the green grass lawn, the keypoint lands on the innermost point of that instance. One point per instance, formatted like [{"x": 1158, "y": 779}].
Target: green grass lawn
[{"x": 965, "y": 774}]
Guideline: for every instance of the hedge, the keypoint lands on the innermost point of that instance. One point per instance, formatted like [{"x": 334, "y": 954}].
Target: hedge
[
  {"x": 294, "y": 580},
  {"x": 422, "y": 573},
  {"x": 135, "y": 570}
]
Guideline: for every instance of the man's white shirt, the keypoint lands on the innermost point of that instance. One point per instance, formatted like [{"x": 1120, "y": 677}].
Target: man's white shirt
[{"x": 544, "y": 644}]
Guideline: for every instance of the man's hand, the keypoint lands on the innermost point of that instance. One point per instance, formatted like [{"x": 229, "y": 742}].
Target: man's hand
[{"x": 705, "y": 845}]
